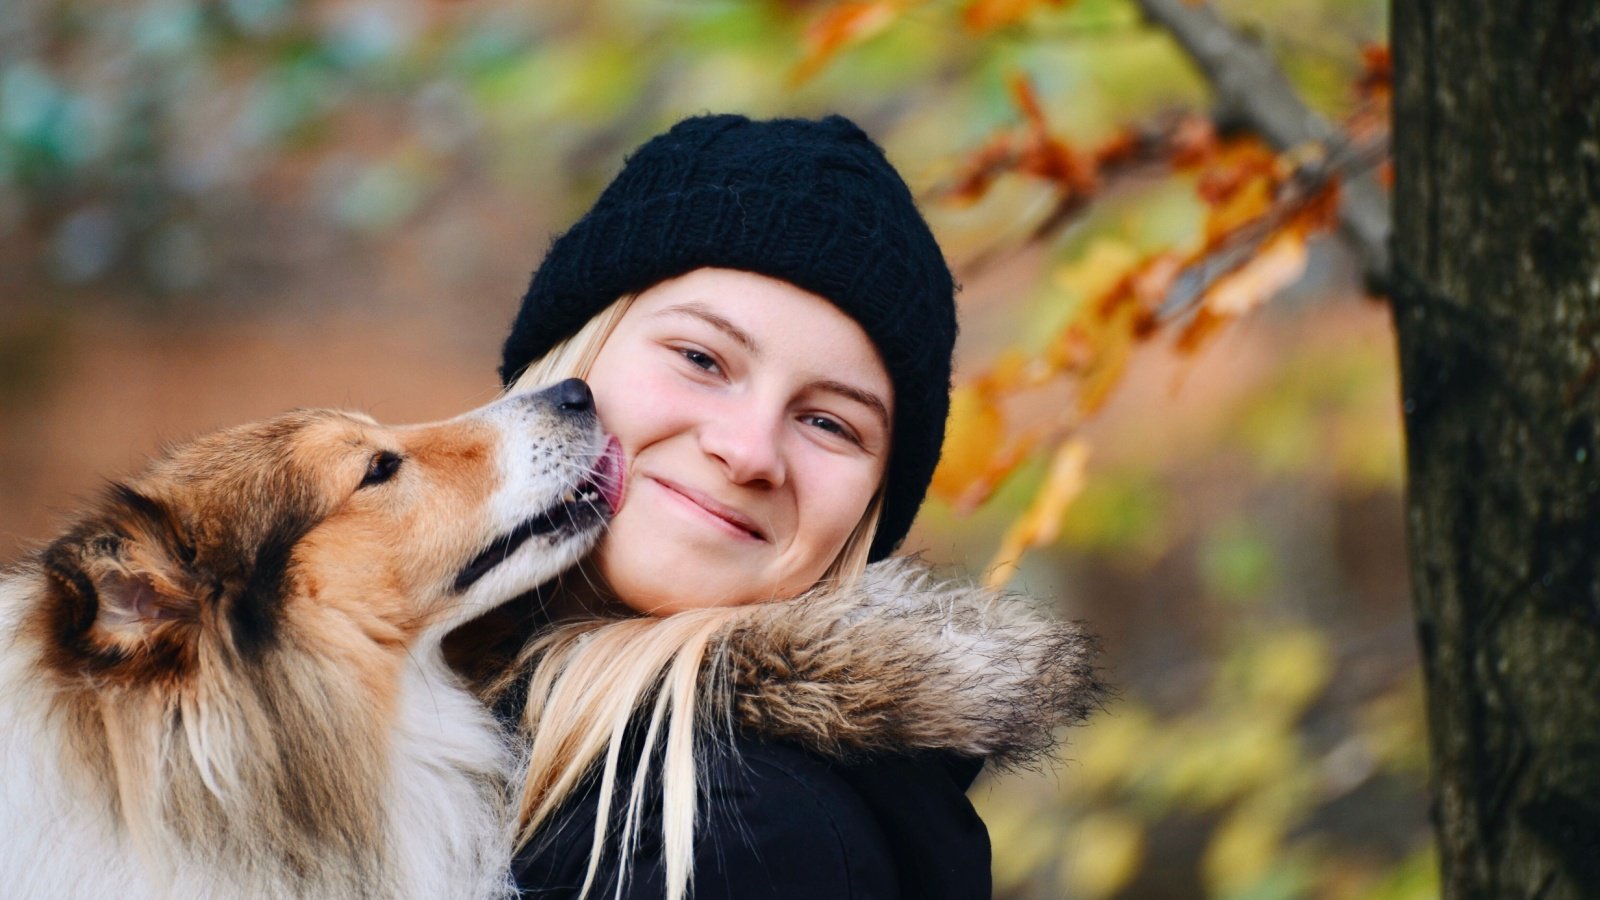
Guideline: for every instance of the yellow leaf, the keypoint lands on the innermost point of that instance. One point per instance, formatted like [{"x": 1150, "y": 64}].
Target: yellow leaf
[
  {"x": 1242, "y": 848},
  {"x": 1042, "y": 522},
  {"x": 1024, "y": 838},
  {"x": 1291, "y": 669},
  {"x": 1250, "y": 202},
  {"x": 839, "y": 27},
  {"x": 1279, "y": 263},
  {"x": 1100, "y": 270},
  {"x": 1011, "y": 371},
  {"x": 1001, "y": 464},
  {"x": 1111, "y": 749},
  {"x": 1112, "y": 336},
  {"x": 971, "y": 439},
  {"x": 1102, "y": 855}
]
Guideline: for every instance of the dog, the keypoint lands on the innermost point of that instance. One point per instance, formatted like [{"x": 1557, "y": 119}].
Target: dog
[{"x": 225, "y": 678}]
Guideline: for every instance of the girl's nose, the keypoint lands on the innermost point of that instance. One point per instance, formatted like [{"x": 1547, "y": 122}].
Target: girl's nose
[{"x": 745, "y": 443}]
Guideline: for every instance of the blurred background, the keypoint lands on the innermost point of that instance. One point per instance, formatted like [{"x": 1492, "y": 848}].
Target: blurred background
[{"x": 214, "y": 211}]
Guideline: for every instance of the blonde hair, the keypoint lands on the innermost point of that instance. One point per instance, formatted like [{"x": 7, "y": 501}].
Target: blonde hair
[{"x": 588, "y": 681}]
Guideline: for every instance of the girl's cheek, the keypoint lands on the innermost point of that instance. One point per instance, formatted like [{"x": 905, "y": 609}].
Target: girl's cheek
[
  {"x": 831, "y": 484},
  {"x": 647, "y": 408}
]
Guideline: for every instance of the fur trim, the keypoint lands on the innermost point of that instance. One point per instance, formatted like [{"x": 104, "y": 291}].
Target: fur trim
[{"x": 902, "y": 661}]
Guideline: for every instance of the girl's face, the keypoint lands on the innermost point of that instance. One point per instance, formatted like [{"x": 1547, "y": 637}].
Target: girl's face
[{"x": 755, "y": 419}]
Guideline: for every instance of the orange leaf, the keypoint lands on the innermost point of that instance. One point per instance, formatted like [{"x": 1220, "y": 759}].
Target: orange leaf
[
  {"x": 1041, "y": 524},
  {"x": 1070, "y": 350},
  {"x": 1043, "y": 155},
  {"x": 1001, "y": 465},
  {"x": 839, "y": 27},
  {"x": 1249, "y": 202},
  {"x": 1377, "y": 71},
  {"x": 971, "y": 439},
  {"x": 1101, "y": 270},
  {"x": 1277, "y": 266},
  {"x": 1027, "y": 100},
  {"x": 1231, "y": 167},
  {"x": 987, "y": 15},
  {"x": 1152, "y": 282},
  {"x": 1193, "y": 142},
  {"x": 1111, "y": 334},
  {"x": 1012, "y": 371},
  {"x": 1281, "y": 261},
  {"x": 1200, "y": 329},
  {"x": 994, "y": 158}
]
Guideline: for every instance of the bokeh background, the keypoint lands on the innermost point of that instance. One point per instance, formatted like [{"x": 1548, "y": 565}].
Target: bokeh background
[{"x": 214, "y": 211}]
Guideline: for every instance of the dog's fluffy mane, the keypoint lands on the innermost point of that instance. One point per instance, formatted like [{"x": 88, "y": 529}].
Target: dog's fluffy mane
[{"x": 286, "y": 756}]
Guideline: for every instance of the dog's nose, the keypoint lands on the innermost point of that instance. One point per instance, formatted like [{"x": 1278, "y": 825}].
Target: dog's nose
[{"x": 572, "y": 395}]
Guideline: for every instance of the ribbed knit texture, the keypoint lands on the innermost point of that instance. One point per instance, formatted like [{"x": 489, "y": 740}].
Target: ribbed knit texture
[{"x": 814, "y": 203}]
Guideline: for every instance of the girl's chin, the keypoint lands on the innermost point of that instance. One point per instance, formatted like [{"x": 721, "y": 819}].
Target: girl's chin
[{"x": 677, "y": 582}]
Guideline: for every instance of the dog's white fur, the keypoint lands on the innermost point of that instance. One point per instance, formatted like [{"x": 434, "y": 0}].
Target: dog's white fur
[{"x": 346, "y": 760}]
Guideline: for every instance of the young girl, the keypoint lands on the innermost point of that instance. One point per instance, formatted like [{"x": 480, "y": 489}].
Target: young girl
[{"x": 740, "y": 694}]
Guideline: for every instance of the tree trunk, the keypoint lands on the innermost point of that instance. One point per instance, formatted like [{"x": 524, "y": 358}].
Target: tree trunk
[{"x": 1496, "y": 293}]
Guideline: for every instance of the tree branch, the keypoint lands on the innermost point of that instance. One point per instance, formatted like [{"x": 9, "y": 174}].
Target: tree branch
[{"x": 1250, "y": 89}]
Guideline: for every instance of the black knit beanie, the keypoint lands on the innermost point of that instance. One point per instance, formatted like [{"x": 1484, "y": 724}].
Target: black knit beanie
[{"x": 813, "y": 203}]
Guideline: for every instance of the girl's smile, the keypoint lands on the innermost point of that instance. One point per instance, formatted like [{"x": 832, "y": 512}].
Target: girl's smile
[{"x": 702, "y": 508}]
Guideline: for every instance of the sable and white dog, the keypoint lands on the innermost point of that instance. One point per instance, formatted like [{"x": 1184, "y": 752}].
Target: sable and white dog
[{"x": 225, "y": 680}]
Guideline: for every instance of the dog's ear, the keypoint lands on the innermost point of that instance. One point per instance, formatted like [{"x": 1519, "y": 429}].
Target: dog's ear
[
  {"x": 132, "y": 600},
  {"x": 121, "y": 579}
]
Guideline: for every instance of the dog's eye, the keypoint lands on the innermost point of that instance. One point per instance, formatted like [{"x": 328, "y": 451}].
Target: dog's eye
[{"x": 380, "y": 468}]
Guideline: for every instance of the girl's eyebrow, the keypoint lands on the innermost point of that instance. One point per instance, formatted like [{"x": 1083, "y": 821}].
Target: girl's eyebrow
[
  {"x": 851, "y": 392},
  {"x": 703, "y": 313}
]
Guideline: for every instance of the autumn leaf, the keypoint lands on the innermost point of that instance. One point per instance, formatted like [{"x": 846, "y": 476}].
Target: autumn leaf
[
  {"x": 1193, "y": 141},
  {"x": 971, "y": 440},
  {"x": 1002, "y": 463},
  {"x": 1155, "y": 278},
  {"x": 1249, "y": 201},
  {"x": 1112, "y": 334},
  {"x": 1277, "y": 266},
  {"x": 1377, "y": 72},
  {"x": 1042, "y": 154},
  {"x": 1013, "y": 370},
  {"x": 1041, "y": 524},
  {"x": 1103, "y": 266},
  {"x": 987, "y": 15},
  {"x": 997, "y": 156},
  {"x": 839, "y": 27},
  {"x": 1281, "y": 261}
]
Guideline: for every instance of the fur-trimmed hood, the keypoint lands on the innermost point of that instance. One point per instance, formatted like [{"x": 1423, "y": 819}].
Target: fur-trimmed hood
[
  {"x": 905, "y": 660},
  {"x": 850, "y": 706}
]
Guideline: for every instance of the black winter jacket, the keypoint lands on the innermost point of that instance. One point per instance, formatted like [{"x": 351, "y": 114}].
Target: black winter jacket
[
  {"x": 784, "y": 823},
  {"x": 863, "y": 719}
]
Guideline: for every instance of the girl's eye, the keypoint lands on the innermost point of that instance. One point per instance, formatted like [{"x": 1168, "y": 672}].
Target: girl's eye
[
  {"x": 699, "y": 359},
  {"x": 831, "y": 426}
]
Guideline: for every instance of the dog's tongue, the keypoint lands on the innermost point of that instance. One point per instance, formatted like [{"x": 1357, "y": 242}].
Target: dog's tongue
[{"x": 611, "y": 474}]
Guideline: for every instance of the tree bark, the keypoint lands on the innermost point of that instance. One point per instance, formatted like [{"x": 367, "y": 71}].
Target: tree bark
[{"x": 1496, "y": 294}]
